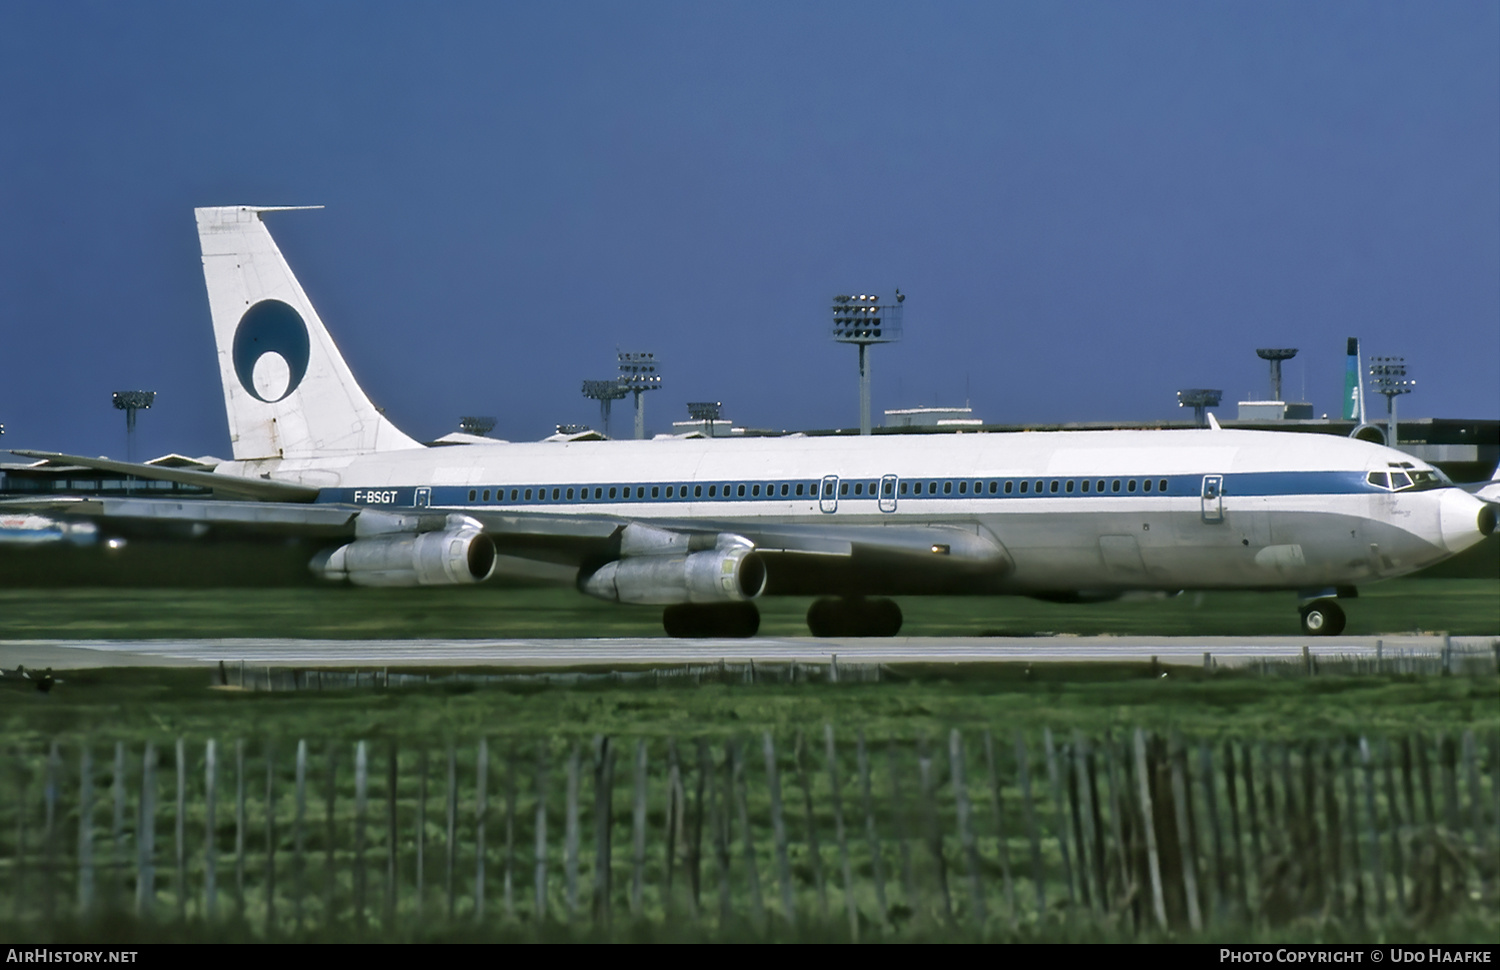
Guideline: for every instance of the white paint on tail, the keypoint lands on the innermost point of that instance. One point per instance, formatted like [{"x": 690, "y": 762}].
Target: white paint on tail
[{"x": 287, "y": 390}]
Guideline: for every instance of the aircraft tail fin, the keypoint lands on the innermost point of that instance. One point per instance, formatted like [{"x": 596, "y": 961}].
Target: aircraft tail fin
[{"x": 287, "y": 390}]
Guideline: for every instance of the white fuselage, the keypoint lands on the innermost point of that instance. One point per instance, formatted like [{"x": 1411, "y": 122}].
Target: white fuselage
[{"x": 1074, "y": 511}]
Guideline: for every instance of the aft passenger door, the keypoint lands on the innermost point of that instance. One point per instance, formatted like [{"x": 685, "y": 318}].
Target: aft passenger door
[
  {"x": 423, "y": 498},
  {"x": 1213, "y": 498},
  {"x": 828, "y": 499},
  {"x": 888, "y": 493}
]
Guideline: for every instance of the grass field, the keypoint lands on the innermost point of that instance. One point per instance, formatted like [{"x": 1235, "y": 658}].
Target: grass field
[{"x": 1457, "y": 606}]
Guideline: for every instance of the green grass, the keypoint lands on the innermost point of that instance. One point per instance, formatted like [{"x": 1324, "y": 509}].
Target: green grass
[
  {"x": 156, "y": 703},
  {"x": 1457, "y": 606}
]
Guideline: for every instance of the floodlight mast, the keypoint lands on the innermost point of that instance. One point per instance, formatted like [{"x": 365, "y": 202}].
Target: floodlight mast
[
  {"x": 1276, "y": 355},
  {"x": 862, "y": 320},
  {"x": 638, "y": 375},
  {"x": 1200, "y": 399},
  {"x": 476, "y": 424},
  {"x": 1388, "y": 377},
  {"x": 131, "y": 402},
  {"x": 606, "y": 393},
  {"x": 707, "y": 412}
]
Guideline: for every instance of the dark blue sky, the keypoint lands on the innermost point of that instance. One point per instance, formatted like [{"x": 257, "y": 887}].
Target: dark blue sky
[{"x": 1089, "y": 205}]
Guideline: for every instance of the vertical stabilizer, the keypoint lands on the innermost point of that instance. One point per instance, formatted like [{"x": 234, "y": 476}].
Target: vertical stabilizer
[
  {"x": 1354, "y": 388},
  {"x": 287, "y": 390}
]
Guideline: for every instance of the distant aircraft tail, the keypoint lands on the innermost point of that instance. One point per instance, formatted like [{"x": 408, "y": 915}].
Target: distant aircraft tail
[{"x": 288, "y": 392}]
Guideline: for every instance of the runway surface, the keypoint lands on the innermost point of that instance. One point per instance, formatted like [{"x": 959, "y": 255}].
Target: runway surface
[{"x": 539, "y": 653}]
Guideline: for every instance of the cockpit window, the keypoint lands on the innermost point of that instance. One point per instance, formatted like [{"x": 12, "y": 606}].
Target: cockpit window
[
  {"x": 1377, "y": 479},
  {"x": 1400, "y": 480}
]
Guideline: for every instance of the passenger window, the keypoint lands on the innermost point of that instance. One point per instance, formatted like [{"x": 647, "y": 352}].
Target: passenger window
[
  {"x": 994, "y": 487},
  {"x": 1024, "y": 487},
  {"x": 528, "y": 495},
  {"x": 903, "y": 488},
  {"x": 1084, "y": 485},
  {"x": 859, "y": 488},
  {"x": 844, "y": 488},
  {"x": 1130, "y": 485},
  {"x": 740, "y": 491},
  {"x": 697, "y": 491},
  {"x": 1038, "y": 484},
  {"x": 656, "y": 491},
  {"x": 1008, "y": 487},
  {"x": 918, "y": 488},
  {"x": 1053, "y": 489},
  {"x": 828, "y": 489},
  {"x": 570, "y": 495},
  {"x": 799, "y": 488},
  {"x": 713, "y": 491},
  {"x": 598, "y": 492},
  {"x": 1100, "y": 486},
  {"x": 1146, "y": 485},
  {"x": 963, "y": 488},
  {"x": 486, "y": 495},
  {"x": 471, "y": 495},
  {"x": 784, "y": 489},
  {"x": 932, "y": 488},
  {"x": 1114, "y": 486},
  {"x": 1161, "y": 486},
  {"x": 611, "y": 492},
  {"x": 947, "y": 488},
  {"x": 1069, "y": 487},
  {"x": 1377, "y": 479}
]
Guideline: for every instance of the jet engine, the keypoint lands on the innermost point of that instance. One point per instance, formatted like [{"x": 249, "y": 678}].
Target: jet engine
[
  {"x": 730, "y": 572},
  {"x": 456, "y": 554}
]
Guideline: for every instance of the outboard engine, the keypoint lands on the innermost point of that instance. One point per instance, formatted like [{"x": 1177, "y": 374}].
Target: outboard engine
[{"x": 661, "y": 567}]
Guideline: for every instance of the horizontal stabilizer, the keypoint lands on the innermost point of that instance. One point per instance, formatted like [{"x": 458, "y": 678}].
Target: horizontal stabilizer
[{"x": 257, "y": 488}]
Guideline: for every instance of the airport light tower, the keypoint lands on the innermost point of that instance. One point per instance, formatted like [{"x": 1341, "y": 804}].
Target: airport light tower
[
  {"x": 705, "y": 411},
  {"x": 1200, "y": 399},
  {"x": 638, "y": 375},
  {"x": 606, "y": 393},
  {"x": 1276, "y": 355},
  {"x": 131, "y": 402},
  {"x": 1388, "y": 377},
  {"x": 863, "y": 320},
  {"x": 480, "y": 425}
]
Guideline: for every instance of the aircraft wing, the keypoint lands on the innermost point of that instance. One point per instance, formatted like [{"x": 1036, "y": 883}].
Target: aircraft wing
[{"x": 265, "y": 489}]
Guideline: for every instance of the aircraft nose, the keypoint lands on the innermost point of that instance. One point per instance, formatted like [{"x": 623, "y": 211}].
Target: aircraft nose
[{"x": 1464, "y": 520}]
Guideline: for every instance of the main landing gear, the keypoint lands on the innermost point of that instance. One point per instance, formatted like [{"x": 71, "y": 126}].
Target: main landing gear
[
  {"x": 844, "y": 617},
  {"x": 1322, "y": 618},
  {"x": 729, "y": 620}
]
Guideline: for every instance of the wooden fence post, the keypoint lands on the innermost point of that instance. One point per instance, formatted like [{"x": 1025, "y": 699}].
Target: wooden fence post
[
  {"x": 299, "y": 837},
  {"x": 903, "y": 846},
  {"x": 928, "y": 792},
  {"x": 1059, "y": 815},
  {"x": 877, "y": 865},
  {"x": 747, "y": 835},
  {"x": 210, "y": 825},
  {"x": 117, "y": 883},
  {"x": 85, "y": 831},
  {"x": 361, "y": 803},
  {"x": 965, "y": 827},
  {"x": 638, "y": 832},
  {"x": 540, "y": 880},
  {"x": 392, "y": 828},
  {"x": 450, "y": 847},
  {"x": 511, "y": 767},
  {"x": 1211, "y": 800},
  {"x": 1373, "y": 837},
  {"x": 421, "y": 832},
  {"x": 814, "y": 850},
  {"x": 1023, "y": 771},
  {"x": 481, "y": 809},
  {"x": 180, "y": 827},
  {"x": 850, "y": 909},
  {"x": 570, "y": 835},
  {"x": 604, "y": 819},
  {"x": 1176, "y": 758},
  {"x": 270, "y": 805},
  {"x": 145, "y": 839},
  {"x": 1393, "y": 813},
  {"x": 996, "y": 808},
  {"x": 1148, "y": 823},
  {"x": 778, "y": 832},
  {"x": 330, "y": 830},
  {"x": 1242, "y": 875}
]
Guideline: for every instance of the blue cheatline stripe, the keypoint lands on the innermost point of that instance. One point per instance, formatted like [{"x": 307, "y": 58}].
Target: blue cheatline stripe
[{"x": 913, "y": 489}]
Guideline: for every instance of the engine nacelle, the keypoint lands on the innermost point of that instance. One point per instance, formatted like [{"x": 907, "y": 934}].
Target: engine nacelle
[
  {"x": 731, "y": 572},
  {"x": 454, "y": 556}
]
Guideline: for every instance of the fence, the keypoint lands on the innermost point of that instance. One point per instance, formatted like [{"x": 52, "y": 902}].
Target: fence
[{"x": 1138, "y": 831}]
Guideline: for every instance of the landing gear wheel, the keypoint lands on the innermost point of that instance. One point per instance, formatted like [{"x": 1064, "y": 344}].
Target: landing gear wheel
[
  {"x": 732, "y": 620},
  {"x": 834, "y": 617},
  {"x": 1322, "y": 618}
]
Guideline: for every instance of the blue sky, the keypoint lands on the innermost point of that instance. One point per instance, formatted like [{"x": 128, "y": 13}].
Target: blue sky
[{"x": 1089, "y": 205}]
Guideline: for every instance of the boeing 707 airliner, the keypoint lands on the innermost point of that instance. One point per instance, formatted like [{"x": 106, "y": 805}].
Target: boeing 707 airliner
[{"x": 704, "y": 527}]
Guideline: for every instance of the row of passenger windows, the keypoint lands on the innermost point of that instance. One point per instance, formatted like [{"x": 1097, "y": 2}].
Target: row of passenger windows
[{"x": 885, "y": 488}]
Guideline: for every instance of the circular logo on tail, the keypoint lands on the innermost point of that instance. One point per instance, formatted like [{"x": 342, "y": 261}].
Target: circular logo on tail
[{"x": 270, "y": 350}]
